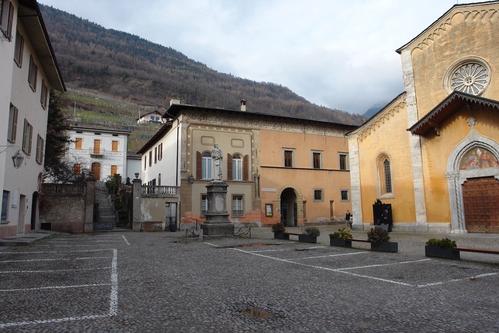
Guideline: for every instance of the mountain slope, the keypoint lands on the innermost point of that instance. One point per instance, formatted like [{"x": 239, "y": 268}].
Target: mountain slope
[{"x": 128, "y": 67}]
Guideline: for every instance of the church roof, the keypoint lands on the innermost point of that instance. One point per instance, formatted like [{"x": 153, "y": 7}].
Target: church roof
[
  {"x": 435, "y": 26},
  {"x": 452, "y": 103}
]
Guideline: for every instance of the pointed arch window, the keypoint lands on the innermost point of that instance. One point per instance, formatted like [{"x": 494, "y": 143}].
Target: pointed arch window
[{"x": 385, "y": 175}]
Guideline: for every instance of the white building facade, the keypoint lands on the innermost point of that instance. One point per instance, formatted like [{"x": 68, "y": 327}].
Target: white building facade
[
  {"x": 29, "y": 71},
  {"x": 101, "y": 151}
]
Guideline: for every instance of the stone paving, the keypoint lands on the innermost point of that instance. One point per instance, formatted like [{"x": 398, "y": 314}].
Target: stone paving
[{"x": 150, "y": 282}]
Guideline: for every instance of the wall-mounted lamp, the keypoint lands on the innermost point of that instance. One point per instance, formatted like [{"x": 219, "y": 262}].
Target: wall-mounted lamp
[{"x": 18, "y": 159}]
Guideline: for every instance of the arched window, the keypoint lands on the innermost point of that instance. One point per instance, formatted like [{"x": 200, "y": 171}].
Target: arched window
[
  {"x": 385, "y": 174},
  {"x": 207, "y": 166}
]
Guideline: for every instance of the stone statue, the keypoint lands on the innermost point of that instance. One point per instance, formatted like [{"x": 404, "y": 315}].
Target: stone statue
[{"x": 217, "y": 156}]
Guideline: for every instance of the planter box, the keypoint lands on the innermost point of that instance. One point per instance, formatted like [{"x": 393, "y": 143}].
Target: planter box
[
  {"x": 441, "y": 252},
  {"x": 339, "y": 242},
  {"x": 281, "y": 235},
  {"x": 304, "y": 238},
  {"x": 385, "y": 247}
]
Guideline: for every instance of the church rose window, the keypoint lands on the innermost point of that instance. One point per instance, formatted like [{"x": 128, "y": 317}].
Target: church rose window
[{"x": 471, "y": 77}]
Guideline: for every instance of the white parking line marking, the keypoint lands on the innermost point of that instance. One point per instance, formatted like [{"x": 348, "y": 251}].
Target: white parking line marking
[
  {"x": 270, "y": 250},
  {"x": 113, "y": 302},
  {"x": 332, "y": 255},
  {"x": 126, "y": 240},
  {"x": 52, "y": 259},
  {"x": 58, "y": 287},
  {"x": 328, "y": 269},
  {"x": 47, "y": 321},
  {"x": 456, "y": 280},
  {"x": 382, "y": 265},
  {"x": 56, "y": 270},
  {"x": 211, "y": 244},
  {"x": 55, "y": 252}
]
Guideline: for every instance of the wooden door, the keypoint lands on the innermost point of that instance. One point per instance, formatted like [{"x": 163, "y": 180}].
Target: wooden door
[
  {"x": 481, "y": 199},
  {"x": 96, "y": 170}
]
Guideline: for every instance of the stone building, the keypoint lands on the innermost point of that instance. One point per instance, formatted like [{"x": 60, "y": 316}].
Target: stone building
[
  {"x": 102, "y": 151},
  {"x": 29, "y": 72},
  {"x": 278, "y": 168},
  {"x": 433, "y": 152}
]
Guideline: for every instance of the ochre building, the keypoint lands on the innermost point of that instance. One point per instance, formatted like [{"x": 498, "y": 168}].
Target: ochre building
[{"x": 433, "y": 152}]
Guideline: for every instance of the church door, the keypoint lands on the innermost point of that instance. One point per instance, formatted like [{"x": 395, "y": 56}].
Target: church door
[{"x": 481, "y": 199}]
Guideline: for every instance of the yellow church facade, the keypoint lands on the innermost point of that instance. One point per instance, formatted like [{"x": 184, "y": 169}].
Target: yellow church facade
[{"x": 433, "y": 151}]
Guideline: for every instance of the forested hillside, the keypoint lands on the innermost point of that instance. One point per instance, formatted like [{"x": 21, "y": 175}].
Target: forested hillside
[{"x": 127, "y": 69}]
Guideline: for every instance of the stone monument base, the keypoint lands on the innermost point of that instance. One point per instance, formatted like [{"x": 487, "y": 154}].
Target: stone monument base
[{"x": 218, "y": 229}]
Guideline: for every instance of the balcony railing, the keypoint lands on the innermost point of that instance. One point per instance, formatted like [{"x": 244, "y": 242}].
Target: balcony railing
[{"x": 159, "y": 191}]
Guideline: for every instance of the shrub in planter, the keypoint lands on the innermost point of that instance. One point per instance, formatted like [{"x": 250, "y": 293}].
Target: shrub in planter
[
  {"x": 280, "y": 231},
  {"x": 342, "y": 237},
  {"x": 442, "y": 248},
  {"x": 310, "y": 235},
  {"x": 379, "y": 239}
]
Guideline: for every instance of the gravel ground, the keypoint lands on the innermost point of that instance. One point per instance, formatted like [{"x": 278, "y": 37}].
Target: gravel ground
[{"x": 149, "y": 282}]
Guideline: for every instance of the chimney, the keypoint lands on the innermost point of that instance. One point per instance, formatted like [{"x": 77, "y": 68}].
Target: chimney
[
  {"x": 243, "y": 105},
  {"x": 174, "y": 101}
]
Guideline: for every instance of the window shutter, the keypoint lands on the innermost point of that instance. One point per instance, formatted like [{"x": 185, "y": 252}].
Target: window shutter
[
  {"x": 229, "y": 167},
  {"x": 246, "y": 168},
  {"x": 199, "y": 165}
]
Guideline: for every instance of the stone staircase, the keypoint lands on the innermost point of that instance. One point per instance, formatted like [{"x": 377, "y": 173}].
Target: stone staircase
[{"x": 105, "y": 218}]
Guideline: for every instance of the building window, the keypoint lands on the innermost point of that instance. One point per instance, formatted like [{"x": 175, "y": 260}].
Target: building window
[
  {"x": 155, "y": 155},
  {"x": 44, "y": 95},
  {"x": 204, "y": 204},
  {"x": 237, "y": 205},
  {"x": 32, "y": 74},
  {"x": 159, "y": 179},
  {"x": 288, "y": 158},
  {"x": 114, "y": 145},
  {"x": 12, "y": 130},
  {"x": 18, "y": 51},
  {"x": 40, "y": 144},
  {"x": 78, "y": 143},
  {"x": 6, "y": 18},
  {"x": 237, "y": 167},
  {"x": 385, "y": 174},
  {"x": 317, "y": 195},
  {"x": 150, "y": 158},
  {"x": 316, "y": 160},
  {"x": 97, "y": 146},
  {"x": 343, "y": 161},
  {"x": 5, "y": 206},
  {"x": 114, "y": 170},
  {"x": 207, "y": 166},
  {"x": 77, "y": 168},
  {"x": 145, "y": 162},
  {"x": 27, "y": 136},
  {"x": 344, "y": 195},
  {"x": 160, "y": 152}
]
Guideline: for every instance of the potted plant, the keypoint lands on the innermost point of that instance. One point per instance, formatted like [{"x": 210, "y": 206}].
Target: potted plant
[
  {"x": 442, "y": 248},
  {"x": 380, "y": 241},
  {"x": 310, "y": 235},
  {"x": 342, "y": 237},
  {"x": 280, "y": 231}
]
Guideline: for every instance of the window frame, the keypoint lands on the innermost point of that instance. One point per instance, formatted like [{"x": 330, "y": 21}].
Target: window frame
[
  {"x": 314, "y": 154},
  {"x": 44, "y": 94},
  {"x": 150, "y": 158},
  {"x": 27, "y": 137},
  {"x": 347, "y": 166},
  {"x": 33, "y": 73},
  {"x": 78, "y": 143},
  {"x": 291, "y": 153},
  {"x": 318, "y": 190},
  {"x": 385, "y": 176},
  {"x": 9, "y": 15},
  {"x": 234, "y": 211},
  {"x": 19, "y": 50},
  {"x": 4, "y": 210},
  {"x": 206, "y": 166},
  {"x": 115, "y": 146},
  {"x": 40, "y": 145},
  {"x": 160, "y": 151},
  {"x": 237, "y": 168},
  {"x": 114, "y": 170},
  {"x": 347, "y": 195},
  {"x": 12, "y": 126}
]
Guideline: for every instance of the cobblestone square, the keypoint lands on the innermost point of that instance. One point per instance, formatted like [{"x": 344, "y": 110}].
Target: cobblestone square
[{"x": 148, "y": 282}]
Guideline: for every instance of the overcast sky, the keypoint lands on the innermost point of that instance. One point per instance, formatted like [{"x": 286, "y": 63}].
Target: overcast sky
[{"x": 336, "y": 53}]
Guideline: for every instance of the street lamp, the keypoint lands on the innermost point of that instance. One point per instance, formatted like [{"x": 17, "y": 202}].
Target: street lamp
[{"x": 18, "y": 159}]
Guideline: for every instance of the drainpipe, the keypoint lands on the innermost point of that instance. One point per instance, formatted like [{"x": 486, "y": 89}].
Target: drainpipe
[{"x": 176, "y": 177}]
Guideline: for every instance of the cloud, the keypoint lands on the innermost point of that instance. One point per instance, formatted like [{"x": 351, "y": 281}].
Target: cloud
[{"x": 334, "y": 53}]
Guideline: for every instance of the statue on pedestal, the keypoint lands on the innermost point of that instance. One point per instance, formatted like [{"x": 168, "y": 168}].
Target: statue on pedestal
[{"x": 217, "y": 156}]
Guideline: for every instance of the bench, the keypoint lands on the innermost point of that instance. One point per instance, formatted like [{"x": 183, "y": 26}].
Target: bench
[{"x": 477, "y": 250}]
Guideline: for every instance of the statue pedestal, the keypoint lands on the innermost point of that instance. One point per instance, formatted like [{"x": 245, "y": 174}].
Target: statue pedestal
[{"x": 217, "y": 218}]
